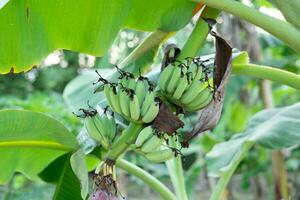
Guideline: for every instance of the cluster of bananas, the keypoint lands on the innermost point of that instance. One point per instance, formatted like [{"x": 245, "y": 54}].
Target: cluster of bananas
[
  {"x": 101, "y": 127},
  {"x": 133, "y": 99},
  {"x": 150, "y": 144},
  {"x": 187, "y": 84}
]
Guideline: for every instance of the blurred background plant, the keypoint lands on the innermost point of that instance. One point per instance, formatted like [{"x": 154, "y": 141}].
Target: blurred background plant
[{"x": 42, "y": 90}]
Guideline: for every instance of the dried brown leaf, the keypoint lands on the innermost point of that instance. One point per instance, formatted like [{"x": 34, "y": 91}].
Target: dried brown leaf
[{"x": 166, "y": 121}]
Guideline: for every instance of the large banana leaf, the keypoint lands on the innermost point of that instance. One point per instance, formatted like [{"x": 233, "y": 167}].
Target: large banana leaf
[
  {"x": 290, "y": 10},
  {"x": 167, "y": 16},
  {"x": 31, "y": 29},
  {"x": 274, "y": 129},
  {"x": 29, "y": 141}
]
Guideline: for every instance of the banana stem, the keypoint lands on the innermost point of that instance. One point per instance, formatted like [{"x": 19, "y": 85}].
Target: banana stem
[
  {"x": 199, "y": 34},
  {"x": 269, "y": 73},
  {"x": 282, "y": 30},
  {"x": 176, "y": 172},
  {"x": 124, "y": 141},
  {"x": 150, "y": 180}
]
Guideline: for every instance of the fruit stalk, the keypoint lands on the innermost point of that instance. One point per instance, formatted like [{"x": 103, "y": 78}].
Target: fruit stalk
[
  {"x": 151, "y": 181},
  {"x": 199, "y": 34},
  {"x": 124, "y": 141}
]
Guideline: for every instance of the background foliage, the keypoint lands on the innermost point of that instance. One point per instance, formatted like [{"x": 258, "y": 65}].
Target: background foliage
[{"x": 45, "y": 89}]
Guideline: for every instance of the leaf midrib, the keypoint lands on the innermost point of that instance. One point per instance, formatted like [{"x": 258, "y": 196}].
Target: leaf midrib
[{"x": 36, "y": 144}]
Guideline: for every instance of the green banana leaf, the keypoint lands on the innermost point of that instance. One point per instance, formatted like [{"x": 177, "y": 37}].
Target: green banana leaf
[
  {"x": 290, "y": 10},
  {"x": 70, "y": 175},
  {"x": 273, "y": 129},
  {"x": 29, "y": 141},
  {"x": 30, "y": 30}
]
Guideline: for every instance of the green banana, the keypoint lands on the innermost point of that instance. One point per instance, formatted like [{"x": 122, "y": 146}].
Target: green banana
[
  {"x": 99, "y": 124},
  {"x": 124, "y": 82},
  {"x": 145, "y": 134},
  {"x": 149, "y": 98},
  {"x": 152, "y": 144},
  {"x": 151, "y": 112},
  {"x": 174, "y": 77},
  {"x": 193, "y": 69},
  {"x": 132, "y": 84},
  {"x": 134, "y": 108},
  {"x": 113, "y": 129},
  {"x": 97, "y": 134},
  {"x": 107, "y": 91},
  {"x": 160, "y": 156},
  {"x": 165, "y": 77},
  {"x": 191, "y": 93},
  {"x": 114, "y": 100},
  {"x": 124, "y": 102},
  {"x": 202, "y": 100},
  {"x": 141, "y": 90},
  {"x": 195, "y": 74},
  {"x": 109, "y": 125},
  {"x": 182, "y": 85}
]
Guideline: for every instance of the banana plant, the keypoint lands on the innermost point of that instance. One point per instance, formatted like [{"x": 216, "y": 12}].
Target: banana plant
[{"x": 129, "y": 112}]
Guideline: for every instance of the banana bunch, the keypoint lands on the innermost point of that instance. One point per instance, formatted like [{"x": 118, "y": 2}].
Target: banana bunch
[
  {"x": 102, "y": 128},
  {"x": 150, "y": 145},
  {"x": 186, "y": 85},
  {"x": 134, "y": 99}
]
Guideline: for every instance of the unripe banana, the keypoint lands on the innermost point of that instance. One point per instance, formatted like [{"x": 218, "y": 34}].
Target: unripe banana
[
  {"x": 202, "y": 100},
  {"x": 124, "y": 82},
  {"x": 160, "y": 156},
  {"x": 174, "y": 77},
  {"x": 191, "y": 93},
  {"x": 197, "y": 75},
  {"x": 164, "y": 77},
  {"x": 141, "y": 90},
  {"x": 151, "y": 113},
  {"x": 109, "y": 125},
  {"x": 143, "y": 136},
  {"x": 107, "y": 91},
  {"x": 193, "y": 69},
  {"x": 149, "y": 98},
  {"x": 98, "y": 122},
  {"x": 152, "y": 144},
  {"x": 114, "y": 100},
  {"x": 134, "y": 108},
  {"x": 182, "y": 85},
  {"x": 124, "y": 102},
  {"x": 94, "y": 131},
  {"x": 132, "y": 84}
]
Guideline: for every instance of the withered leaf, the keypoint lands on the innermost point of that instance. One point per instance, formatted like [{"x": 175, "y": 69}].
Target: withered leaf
[
  {"x": 166, "y": 121},
  {"x": 222, "y": 57},
  {"x": 210, "y": 115}
]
